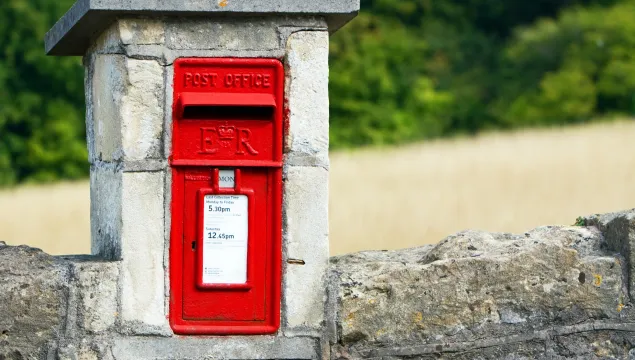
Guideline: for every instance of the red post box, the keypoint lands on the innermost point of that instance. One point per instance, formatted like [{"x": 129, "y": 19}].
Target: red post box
[{"x": 225, "y": 240}]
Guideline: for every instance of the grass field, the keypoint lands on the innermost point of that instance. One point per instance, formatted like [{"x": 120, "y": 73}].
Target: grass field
[{"x": 412, "y": 195}]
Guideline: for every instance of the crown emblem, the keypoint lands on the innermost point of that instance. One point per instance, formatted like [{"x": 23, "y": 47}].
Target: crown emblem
[{"x": 226, "y": 132}]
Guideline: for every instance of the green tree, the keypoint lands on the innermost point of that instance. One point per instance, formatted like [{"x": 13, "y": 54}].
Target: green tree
[
  {"x": 41, "y": 98},
  {"x": 571, "y": 68},
  {"x": 378, "y": 87},
  {"x": 453, "y": 51}
]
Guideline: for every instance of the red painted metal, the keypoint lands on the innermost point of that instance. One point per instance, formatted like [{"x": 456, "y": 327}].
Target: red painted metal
[
  {"x": 226, "y": 163},
  {"x": 224, "y": 99},
  {"x": 227, "y": 113}
]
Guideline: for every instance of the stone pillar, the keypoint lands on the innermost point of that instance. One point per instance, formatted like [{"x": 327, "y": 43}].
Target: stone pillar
[{"x": 129, "y": 48}]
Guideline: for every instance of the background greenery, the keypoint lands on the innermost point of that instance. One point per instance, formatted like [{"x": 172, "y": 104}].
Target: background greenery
[{"x": 402, "y": 71}]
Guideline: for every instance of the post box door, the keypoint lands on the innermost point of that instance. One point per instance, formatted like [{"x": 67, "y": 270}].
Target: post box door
[{"x": 240, "y": 303}]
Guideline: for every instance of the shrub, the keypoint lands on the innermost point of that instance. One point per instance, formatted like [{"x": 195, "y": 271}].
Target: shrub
[
  {"x": 571, "y": 68},
  {"x": 41, "y": 98}
]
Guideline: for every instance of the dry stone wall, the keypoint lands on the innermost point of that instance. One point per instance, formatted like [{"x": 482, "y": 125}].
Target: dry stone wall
[
  {"x": 54, "y": 307},
  {"x": 555, "y": 292}
]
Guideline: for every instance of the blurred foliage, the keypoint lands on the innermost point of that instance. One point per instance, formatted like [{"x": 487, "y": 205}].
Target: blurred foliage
[
  {"x": 418, "y": 69},
  {"x": 571, "y": 68},
  {"x": 41, "y": 98},
  {"x": 379, "y": 90},
  {"x": 401, "y": 71}
]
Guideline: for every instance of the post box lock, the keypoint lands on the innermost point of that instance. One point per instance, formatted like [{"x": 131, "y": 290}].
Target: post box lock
[{"x": 225, "y": 240}]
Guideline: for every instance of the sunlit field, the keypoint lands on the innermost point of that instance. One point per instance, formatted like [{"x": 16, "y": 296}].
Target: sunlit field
[
  {"x": 54, "y": 218},
  {"x": 417, "y": 194}
]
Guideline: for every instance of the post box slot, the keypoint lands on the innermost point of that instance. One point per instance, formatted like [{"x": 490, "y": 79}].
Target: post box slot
[
  {"x": 227, "y": 106},
  {"x": 223, "y": 112}
]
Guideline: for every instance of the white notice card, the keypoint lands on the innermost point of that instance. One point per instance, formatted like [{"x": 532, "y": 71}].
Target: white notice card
[{"x": 225, "y": 229}]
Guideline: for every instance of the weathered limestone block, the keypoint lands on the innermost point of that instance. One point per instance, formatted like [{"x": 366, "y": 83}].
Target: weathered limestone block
[
  {"x": 172, "y": 37},
  {"x": 305, "y": 224},
  {"x": 241, "y": 347},
  {"x": 250, "y": 34},
  {"x": 105, "y": 211},
  {"x": 134, "y": 234},
  {"x": 130, "y": 31},
  {"x": 96, "y": 283},
  {"x": 619, "y": 235},
  {"x": 577, "y": 345},
  {"x": 611, "y": 344},
  {"x": 141, "y": 31},
  {"x": 84, "y": 349},
  {"x": 477, "y": 289},
  {"x": 307, "y": 136},
  {"x": 47, "y": 300},
  {"x": 33, "y": 294},
  {"x": 142, "y": 243},
  {"x": 125, "y": 108},
  {"x": 228, "y": 34}
]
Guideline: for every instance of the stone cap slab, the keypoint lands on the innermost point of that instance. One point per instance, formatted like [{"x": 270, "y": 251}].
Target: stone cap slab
[{"x": 72, "y": 34}]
